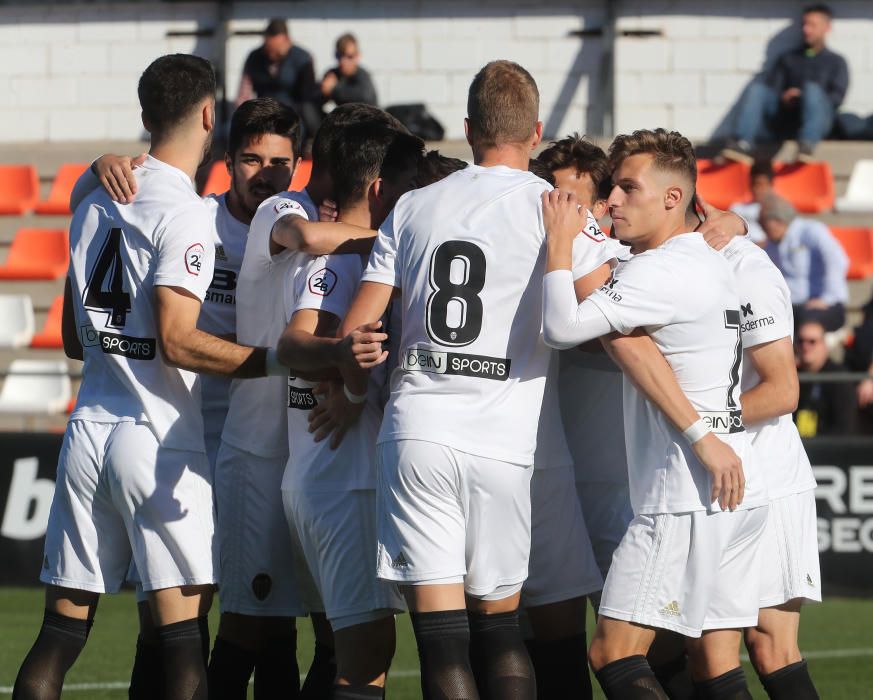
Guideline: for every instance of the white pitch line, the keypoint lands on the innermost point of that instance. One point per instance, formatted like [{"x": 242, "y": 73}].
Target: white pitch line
[{"x": 413, "y": 673}]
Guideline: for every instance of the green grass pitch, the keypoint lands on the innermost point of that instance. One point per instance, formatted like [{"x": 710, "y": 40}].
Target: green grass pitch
[{"x": 835, "y": 636}]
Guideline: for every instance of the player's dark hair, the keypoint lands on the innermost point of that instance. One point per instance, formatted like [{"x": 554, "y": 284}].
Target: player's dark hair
[
  {"x": 345, "y": 115},
  {"x": 502, "y": 105},
  {"x": 368, "y": 151},
  {"x": 761, "y": 168},
  {"x": 344, "y": 41},
  {"x": 276, "y": 27},
  {"x": 819, "y": 8},
  {"x": 670, "y": 151},
  {"x": 260, "y": 116},
  {"x": 434, "y": 167},
  {"x": 171, "y": 87},
  {"x": 538, "y": 168},
  {"x": 579, "y": 153}
]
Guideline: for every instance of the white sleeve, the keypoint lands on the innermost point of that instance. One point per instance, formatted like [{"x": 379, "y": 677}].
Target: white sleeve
[
  {"x": 84, "y": 186},
  {"x": 383, "y": 267},
  {"x": 591, "y": 249},
  {"x": 331, "y": 284},
  {"x": 566, "y": 323},
  {"x": 186, "y": 254},
  {"x": 765, "y": 308},
  {"x": 641, "y": 293}
]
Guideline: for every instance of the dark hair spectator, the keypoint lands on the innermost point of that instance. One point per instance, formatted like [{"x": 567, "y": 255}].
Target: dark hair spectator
[
  {"x": 348, "y": 81},
  {"x": 800, "y": 94},
  {"x": 760, "y": 185}
]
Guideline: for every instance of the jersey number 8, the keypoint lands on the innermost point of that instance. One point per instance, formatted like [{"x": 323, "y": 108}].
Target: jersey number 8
[{"x": 454, "y": 307}]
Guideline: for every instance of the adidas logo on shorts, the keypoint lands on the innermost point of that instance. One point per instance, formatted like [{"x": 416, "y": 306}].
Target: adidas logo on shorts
[
  {"x": 809, "y": 581},
  {"x": 671, "y": 609},
  {"x": 399, "y": 562}
]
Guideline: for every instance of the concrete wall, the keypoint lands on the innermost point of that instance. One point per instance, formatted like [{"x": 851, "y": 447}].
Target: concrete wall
[{"x": 69, "y": 72}]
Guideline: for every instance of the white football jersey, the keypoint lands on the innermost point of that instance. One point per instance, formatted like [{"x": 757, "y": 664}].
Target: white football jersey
[
  {"x": 255, "y": 422},
  {"x": 329, "y": 284},
  {"x": 766, "y": 314},
  {"x": 218, "y": 313},
  {"x": 591, "y": 249},
  {"x": 467, "y": 253},
  {"x": 118, "y": 254},
  {"x": 683, "y": 295}
]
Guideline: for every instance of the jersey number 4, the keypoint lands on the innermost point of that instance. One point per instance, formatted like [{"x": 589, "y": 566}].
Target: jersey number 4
[
  {"x": 454, "y": 307},
  {"x": 105, "y": 291}
]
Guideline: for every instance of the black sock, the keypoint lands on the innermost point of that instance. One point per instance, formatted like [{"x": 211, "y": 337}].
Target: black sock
[
  {"x": 276, "y": 671},
  {"x": 230, "y": 669},
  {"x": 499, "y": 657},
  {"x": 321, "y": 675},
  {"x": 443, "y": 640},
  {"x": 58, "y": 645},
  {"x": 728, "y": 686},
  {"x": 560, "y": 667},
  {"x": 184, "y": 675},
  {"x": 145, "y": 678},
  {"x": 790, "y": 681},
  {"x": 357, "y": 692},
  {"x": 675, "y": 678},
  {"x": 630, "y": 679}
]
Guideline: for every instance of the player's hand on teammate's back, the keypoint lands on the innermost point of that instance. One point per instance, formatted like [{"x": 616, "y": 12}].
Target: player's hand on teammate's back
[
  {"x": 363, "y": 346},
  {"x": 563, "y": 218},
  {"x": 719, "y": 227},
  {"x": 116, "y": 175},
  {"x": 725, "y": 471},
  {"x": 327, "y": 211},
  {"x": 334, "y": 414}
]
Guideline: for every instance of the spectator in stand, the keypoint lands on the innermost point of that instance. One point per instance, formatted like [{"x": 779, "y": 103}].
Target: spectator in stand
[
  {"x": 761, "y": 184},
  {"x": 282, "y": 70},
  {"x": 348, "y": 81},
  {"x": 824, "y": 408},
  {"x": 803, "y": 89},
  {"x": 811, "y": 260}
]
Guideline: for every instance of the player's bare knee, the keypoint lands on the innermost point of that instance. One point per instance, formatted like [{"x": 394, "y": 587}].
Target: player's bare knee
[{"x": 769, "y": 651}]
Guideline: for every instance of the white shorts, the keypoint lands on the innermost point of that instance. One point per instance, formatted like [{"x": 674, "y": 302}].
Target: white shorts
[
  {"x": 256, "y": 572},
  {"x": 213, "y": 424},
  {"x": 445, "y": 516},
  {"x": 119, "y": 496},
  {"x": 562, "y": 564},
  {"x": 790, "y": 551},
  {"x": 334, "y": 534},
  {"x": 607, "y": 511},
  {"x": 688, "y": 572}
]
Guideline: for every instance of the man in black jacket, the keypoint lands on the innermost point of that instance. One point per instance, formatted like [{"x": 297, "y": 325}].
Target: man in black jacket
[
  {"x": 282, "y": 70},
  {"x": 802, "y": 91}
]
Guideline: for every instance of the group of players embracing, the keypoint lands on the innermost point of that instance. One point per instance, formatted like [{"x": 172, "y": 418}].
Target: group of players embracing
[{"x": 346, "y": 402}]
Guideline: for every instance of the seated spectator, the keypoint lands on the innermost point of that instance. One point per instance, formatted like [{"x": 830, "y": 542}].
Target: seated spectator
[
  {"x": 824, "y": 408},
  {"x": 761, "y": 184},
  {"x": 802, "y": 91},
  {"x": 282, "y": 70},
  {"x": 811, "y": 260},
  {"x": 348, "y": 81}
]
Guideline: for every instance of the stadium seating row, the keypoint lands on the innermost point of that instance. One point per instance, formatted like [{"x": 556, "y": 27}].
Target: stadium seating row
[
  {"x": 37, "y": 254},
  {"x": 19, "y": 187},
  {"x": 18, "y": 329},
  {"x": 36, "y": 387}
]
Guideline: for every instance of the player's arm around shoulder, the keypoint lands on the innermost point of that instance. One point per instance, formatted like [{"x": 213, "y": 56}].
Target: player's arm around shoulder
[{"x": 294, "y": 231}]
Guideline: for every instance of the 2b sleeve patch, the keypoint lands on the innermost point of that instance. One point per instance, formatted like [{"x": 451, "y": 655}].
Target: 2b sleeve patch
[
  {"x": 322, "y": 282},
  {"x": 194, "y": 259},
  {"x": 593, "y": 231},
  {"x": 289, "y": 206}
]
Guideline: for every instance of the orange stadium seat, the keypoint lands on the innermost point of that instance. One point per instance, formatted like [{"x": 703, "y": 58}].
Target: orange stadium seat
[
  {"x": 37, "y": 254},
  {"x": 808, "y": 186},
  {"x": 858, "y": 244},
  {"x": 218, "y": 181},
  {"x": 301, "y": 176},
  {"x": 50, "y": 335},
  {"x": 19, "y": 189},
  {"x": 723, "y": 184},
  {"x": 58, "y": 201}
]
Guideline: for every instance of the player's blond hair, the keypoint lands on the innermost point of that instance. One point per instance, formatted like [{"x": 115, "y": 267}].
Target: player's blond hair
[
  {"x": 670, "y": 151},
  {"x": 503, "y": 104}
]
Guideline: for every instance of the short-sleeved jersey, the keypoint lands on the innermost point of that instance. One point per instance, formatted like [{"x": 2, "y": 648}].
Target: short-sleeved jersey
[
  {"x": 467, "y": 253},
  {"x": 255, "y": 422},
  {"x": 218, "y": 313},
  {"x": 591, "y": 249},
  {"x": 766, "y": 315},
  {"x": 683, "y": 295},
  {"x": 119, "y": 253},
  {"x": 329, "y": 284}
]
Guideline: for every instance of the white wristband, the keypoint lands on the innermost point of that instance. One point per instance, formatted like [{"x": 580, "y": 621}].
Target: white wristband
[
  {"x": 272, "y": 366},
  {"x": 354, "y": 398},
  {"x": 697, "y": 430}
]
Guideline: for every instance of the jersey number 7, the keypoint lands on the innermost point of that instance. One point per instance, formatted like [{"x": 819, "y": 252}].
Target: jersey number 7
[{"x": 105, "y": 290}]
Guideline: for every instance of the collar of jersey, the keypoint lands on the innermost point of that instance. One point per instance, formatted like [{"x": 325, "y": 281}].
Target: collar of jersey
[{"x": 152, "y": 163}]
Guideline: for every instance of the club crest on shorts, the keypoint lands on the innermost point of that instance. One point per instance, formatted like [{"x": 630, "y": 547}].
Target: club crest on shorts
[
  {"x": 194, "y": 259},
  {"x": 322, "y": 282},
  {"x": 262, "y": 584}
]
